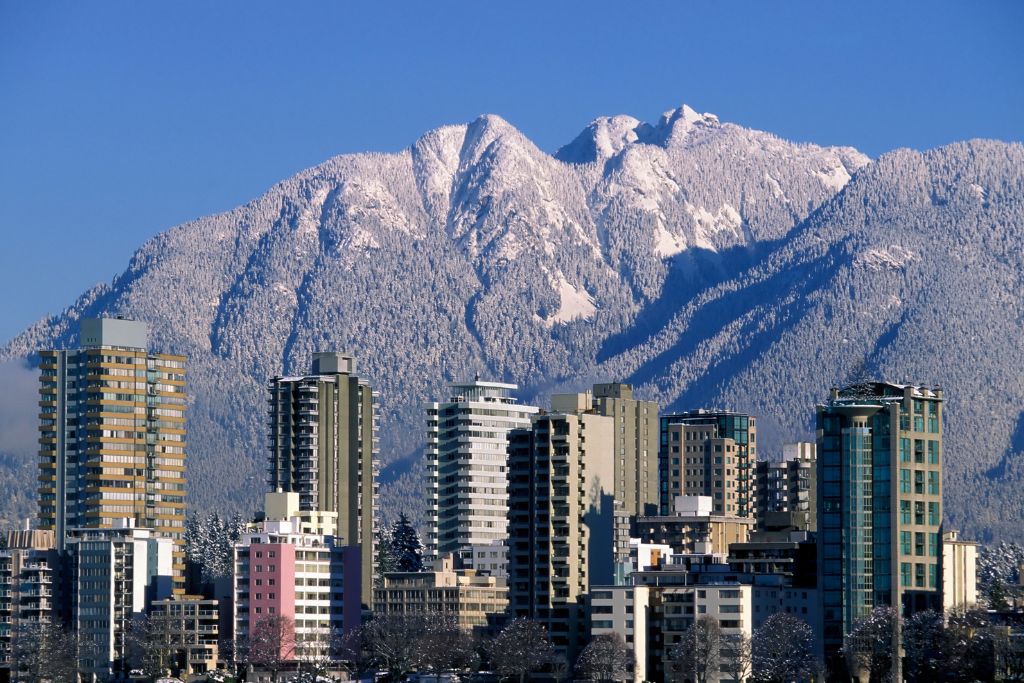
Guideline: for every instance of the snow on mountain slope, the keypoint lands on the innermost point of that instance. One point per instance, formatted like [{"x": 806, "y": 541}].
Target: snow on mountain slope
[{"x": 656, "y": 252}]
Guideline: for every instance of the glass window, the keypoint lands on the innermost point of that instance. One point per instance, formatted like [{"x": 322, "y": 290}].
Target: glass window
[
  {"x": 933, "y": 545},
  {"x": 933, "y": 483},
  {"x": 934, "y": 515},
  {"x": 905, "y": 542},
  {"x": 933, "y": 575},
  {"x": 919, "y": 512},
  {"x": 933, "y": 452},
  {"x": 905, "y": 574},
  {"x": 918, "y": 450},
  {"x": 919, "y": 543},
  {"x": 904, "y": 481},
  {"x": 919, "y": 575},
  {"x": 918, "y": 481},
  {"x": 904, "y": 450},
  {"x": 904, "y": 512}
]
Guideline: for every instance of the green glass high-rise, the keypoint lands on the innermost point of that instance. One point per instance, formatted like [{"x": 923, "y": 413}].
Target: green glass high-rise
[{"x": 879, "y": 503}]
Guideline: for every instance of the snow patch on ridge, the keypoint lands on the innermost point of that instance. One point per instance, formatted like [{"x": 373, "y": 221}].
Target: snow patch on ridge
[
  {"x": 893, "y": 257},
  {"x": 575, "y": 304},
  {"x": 707, "y": 224},
  {"x": 834, "y": 178}
]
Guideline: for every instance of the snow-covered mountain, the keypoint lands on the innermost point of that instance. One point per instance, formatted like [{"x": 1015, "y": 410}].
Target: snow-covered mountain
[{"x": 707, "y": 263}]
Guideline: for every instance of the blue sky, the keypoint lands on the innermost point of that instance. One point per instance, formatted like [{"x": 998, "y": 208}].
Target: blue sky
[{"x": 121, "y": 119}]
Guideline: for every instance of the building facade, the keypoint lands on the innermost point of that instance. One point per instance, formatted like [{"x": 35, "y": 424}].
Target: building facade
[
  {"x": 636, "y": 446},
  {"x": 787, "y": 489},
  {"x": 116, "y": 574},
  {"x": 561, "y": 502},
  {"x": 879, "y": 503},
  {"x": 112, "y": 435},
  {"x": 189, "y": 626},
  {"x": 476, "y": 601},
  {"x": 291, "y": 571},
  {"x": 30, "y": 588},
  {"x": 693, "y": 528},
  {"x": 323, "y": 446},
  {"x": 467, "y": 471},
  {"x": 709, "y": 453}
]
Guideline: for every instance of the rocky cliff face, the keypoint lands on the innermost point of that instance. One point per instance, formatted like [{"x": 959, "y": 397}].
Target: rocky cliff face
[{"x": 706, "y": 263}]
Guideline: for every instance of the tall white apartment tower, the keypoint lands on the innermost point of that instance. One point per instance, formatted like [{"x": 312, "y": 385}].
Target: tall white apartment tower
[{"x": 467, "y": 471}]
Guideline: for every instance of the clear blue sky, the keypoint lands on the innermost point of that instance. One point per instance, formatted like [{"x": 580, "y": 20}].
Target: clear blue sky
[{"x": 121, "y": 119}]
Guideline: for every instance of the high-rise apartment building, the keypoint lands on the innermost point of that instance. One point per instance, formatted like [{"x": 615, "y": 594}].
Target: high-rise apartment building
[
  {"x": 787, "y": 489},
  {"x": 112, "y": 435},
  {"x": 561, "y": 504},
  {"x": 467, "y": 471},
  {"x": 30, "y": 589},
  {"x": 636, "y": 446},
  {"x": 709, "y": 453},
  {"x": 323, "y": 446},
  {"x": 879, "y": 503}
]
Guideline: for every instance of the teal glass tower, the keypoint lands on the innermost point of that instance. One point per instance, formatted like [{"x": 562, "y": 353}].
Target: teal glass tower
[{"x": 879, "y": 503}]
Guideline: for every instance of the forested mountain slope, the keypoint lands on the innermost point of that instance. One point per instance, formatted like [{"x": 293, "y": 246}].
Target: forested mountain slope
[{"x": 707, "y": 263}]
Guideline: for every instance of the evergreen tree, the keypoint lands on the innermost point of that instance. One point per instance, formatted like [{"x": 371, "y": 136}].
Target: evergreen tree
[
  {"x": 405, "y": 546},
  {"x": 385, "y": 554}
]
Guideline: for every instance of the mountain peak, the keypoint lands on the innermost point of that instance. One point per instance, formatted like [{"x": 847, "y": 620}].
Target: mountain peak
[{"x": 606, "y": 136}]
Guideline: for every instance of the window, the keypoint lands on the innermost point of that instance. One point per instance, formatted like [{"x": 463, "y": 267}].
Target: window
[
  {"x": 933, "y": 545},
  {"x": 933, "y": 483},
  {"x": 904, "y": 512},
  {"x": 905, "y": 542},
  {"x": 933, "y": 575},
  {"x": 919, "y": 543},
  {"x": 904, "y": 450},
  {"x": 933, "y": 452},
  {"x": 918, "y": 451},
  {"x": 919, "y": 575},
  {"x": 934, "y": 516},
  {"x": 918, "y": 481},
  {"x": 904, "y": 481},
  {"x": 919, "y": 512},
  {"x": 905, "y": 574}
]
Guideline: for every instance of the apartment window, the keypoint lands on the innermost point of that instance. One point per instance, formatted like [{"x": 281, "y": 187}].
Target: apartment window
[
  {"x": 904, "y": 481},
  {"x": 933, "y": 417},
  {"x": 933, "y": 452},
  {"x": 905, "y": 574},
  {"x": 933, "y": 575},
  {"x": 919, "y": 543},
  {"x": 918, "y": 481},
  {"x": 905, "y": 542},
  {"x": 933, "y": 483},
  {"x": 904, "y": 512},
  {"x": 934, "y": 516},
  {"x": 933, "y": 545},
  {"x": 918, "y": 451},
  {"x": 904, "y": 450},
  {"x": 919, "y": 575},
  {"x": 919, "y": 512}
]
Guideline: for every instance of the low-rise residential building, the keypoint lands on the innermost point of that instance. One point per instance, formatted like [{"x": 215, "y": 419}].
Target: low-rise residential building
[
  {"x": 116, "y": 573},
  {"x": 476, "y": 600},
  {"x": 694, "y": 528},
  {"x": 959, "y": 572},
  {"x": 29, "y": 587},
  {"x": 787, "y": 488},
  {"x": 288, "y": 567},
  {"x": 189, "y": 625}
]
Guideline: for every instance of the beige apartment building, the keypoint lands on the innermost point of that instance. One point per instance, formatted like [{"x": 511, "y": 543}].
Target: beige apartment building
[
  {"x": 635, "y": 434},
  {"x": 189, "y": 625},
  {"x": 711, "y": 453},
  {"x": 112, "y": 435},
  {"x": 477, "y": 601}
]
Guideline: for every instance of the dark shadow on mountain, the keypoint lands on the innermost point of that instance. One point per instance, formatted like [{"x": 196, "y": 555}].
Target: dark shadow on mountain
[
  {"x": 689, "y": 274},
  {"x": 802, "y": 280},
  {"x": 1014, "y": 450}
]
